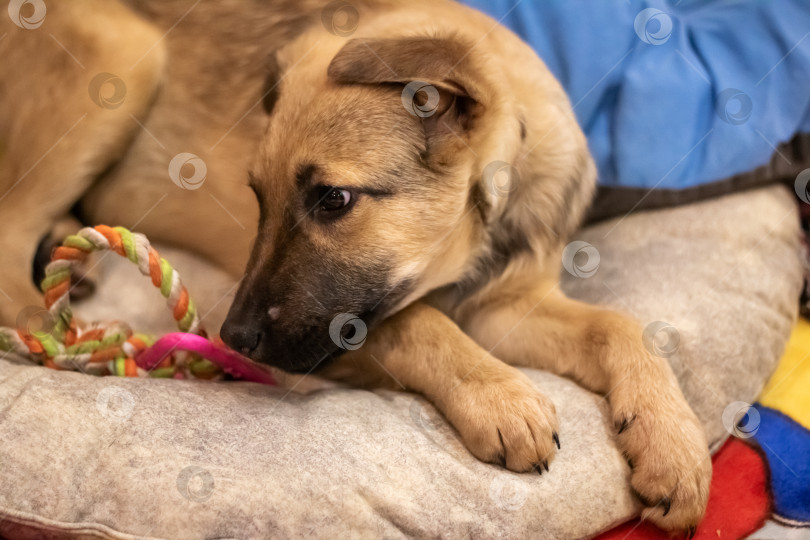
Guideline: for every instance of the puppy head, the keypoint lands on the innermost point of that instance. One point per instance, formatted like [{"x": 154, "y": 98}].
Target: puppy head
[{"x": 370, "y": 195}]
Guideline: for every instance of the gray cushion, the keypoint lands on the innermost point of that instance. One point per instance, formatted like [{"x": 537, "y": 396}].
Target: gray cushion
[{"x": 123, "y": 458}]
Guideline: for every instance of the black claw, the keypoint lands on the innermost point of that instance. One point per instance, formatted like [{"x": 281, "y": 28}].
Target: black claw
[
  {"x": 556, "y": 439},
  {"x": 545, "y": 464},
  {"x": 644, "y": 500},
  {"x": 667, "y": 504},
  {"x": 81, "y": 287},
  {"x": 629, "y": 460},
  {"x": 538, "y": 468},
  {"x": 502, "y": 456},
  {"x": 691, "y": 531},
  {"x": 626, "y": 423}
]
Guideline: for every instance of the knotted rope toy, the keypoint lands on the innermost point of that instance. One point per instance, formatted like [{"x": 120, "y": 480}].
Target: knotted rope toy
[{"x": 113, "y": 348}]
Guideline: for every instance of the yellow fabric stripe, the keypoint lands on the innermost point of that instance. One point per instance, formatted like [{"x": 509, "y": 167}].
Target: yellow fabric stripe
[{"x": 789, "y": 388}]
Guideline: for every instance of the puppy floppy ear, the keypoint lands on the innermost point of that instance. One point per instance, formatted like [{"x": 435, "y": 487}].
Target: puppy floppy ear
[
  {"x": 454, "y": 92},
  {"x": 444, "y": 63}
]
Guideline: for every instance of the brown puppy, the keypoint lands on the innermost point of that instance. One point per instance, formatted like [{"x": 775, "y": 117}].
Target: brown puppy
[{"x": 417, "y": 168}]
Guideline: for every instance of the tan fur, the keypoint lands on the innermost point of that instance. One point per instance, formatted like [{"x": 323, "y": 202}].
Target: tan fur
[
  {"x": 46, "y": 116},
  {"x": 458, "y": 280}
]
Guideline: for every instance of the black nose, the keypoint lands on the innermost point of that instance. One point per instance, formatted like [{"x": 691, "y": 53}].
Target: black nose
[{"x": 240, "y": 337}]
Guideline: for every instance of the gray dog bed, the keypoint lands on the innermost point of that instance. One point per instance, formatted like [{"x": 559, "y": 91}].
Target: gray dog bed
[{"x": 123, "y": 458}]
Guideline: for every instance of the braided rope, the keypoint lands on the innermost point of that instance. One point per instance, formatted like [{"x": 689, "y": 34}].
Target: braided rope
[{"x": 107, "y": 349}]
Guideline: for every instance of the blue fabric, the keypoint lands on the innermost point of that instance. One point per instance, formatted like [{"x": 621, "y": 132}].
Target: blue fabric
[
  {"x": 682, "y": 94},
  {"x": 786, "y": 445}
]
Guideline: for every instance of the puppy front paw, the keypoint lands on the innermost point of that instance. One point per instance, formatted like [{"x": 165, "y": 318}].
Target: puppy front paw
[
  {"x": 666, "y": 447},
  {"x": 503, "y": 419}
]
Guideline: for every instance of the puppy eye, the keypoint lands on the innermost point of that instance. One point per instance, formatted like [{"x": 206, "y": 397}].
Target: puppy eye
[
  {"x": 330, "y": 202},
  {"x": 333, "y": 198}
]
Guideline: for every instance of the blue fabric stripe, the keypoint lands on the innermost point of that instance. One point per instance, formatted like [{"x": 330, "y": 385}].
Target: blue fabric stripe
[
  {"x": 786, "y": 445},
  {"x": 666, "y": 115}
]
